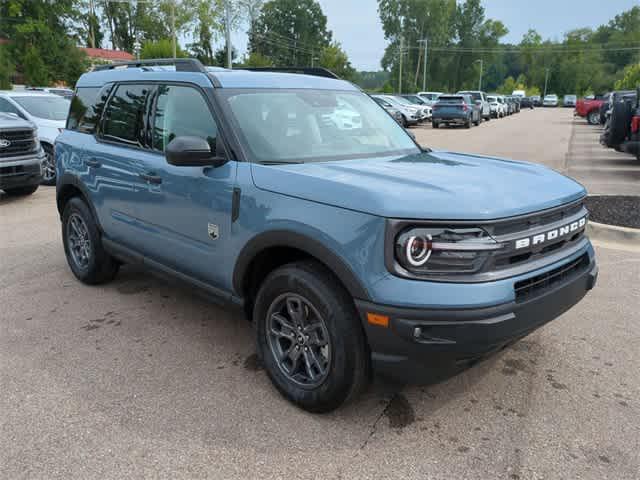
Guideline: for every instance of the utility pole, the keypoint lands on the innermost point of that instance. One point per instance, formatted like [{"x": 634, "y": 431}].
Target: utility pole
[
  {"x": 424, "y": 64},
  {"x": 173, "y": 27},
  {"x": 227, "y": 22},
  {"x": 546, "y": 79},
  {"x": 92, "y": 16},
  {"x": 480, "y": 79},
  {"x": 400, "y": 76}
]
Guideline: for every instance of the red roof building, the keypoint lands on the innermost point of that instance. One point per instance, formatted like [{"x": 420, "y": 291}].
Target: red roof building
[{"x": 107, "y": 55}]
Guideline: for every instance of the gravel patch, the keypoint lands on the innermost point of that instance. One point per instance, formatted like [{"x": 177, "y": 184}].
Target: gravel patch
[{"x": 620, "y": 210}]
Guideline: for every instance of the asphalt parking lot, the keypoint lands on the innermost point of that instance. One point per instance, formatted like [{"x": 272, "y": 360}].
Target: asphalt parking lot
[{"x": 144, "y": 379}]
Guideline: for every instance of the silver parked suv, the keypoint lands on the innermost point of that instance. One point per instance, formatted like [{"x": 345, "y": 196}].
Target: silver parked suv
[{"x": 21, "y": 156}]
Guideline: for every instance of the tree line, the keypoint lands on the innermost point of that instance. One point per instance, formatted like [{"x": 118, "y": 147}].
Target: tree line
[
  {"x": 460, "y": 41},
  {"x": 452, "y": 39}
]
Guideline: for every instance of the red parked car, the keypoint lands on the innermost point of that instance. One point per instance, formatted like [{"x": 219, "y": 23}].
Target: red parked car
[{"x": 589, "y": 108}]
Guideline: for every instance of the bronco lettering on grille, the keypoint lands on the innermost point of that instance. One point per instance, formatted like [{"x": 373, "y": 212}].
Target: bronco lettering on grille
[{"x": 551, "y": 234}]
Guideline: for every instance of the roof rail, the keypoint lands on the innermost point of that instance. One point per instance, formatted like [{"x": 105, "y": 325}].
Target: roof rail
[
  {"x": 181, "y": 64},
  {"x": 315, "y": 71}
]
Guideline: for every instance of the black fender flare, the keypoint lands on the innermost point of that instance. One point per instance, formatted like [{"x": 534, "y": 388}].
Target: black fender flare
[
  {"x": 67, "y": 180},
  {"x": 314, "y": 248}
]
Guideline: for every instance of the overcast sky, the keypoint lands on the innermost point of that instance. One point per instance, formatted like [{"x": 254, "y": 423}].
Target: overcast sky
[{"x": 355, "y": 23}]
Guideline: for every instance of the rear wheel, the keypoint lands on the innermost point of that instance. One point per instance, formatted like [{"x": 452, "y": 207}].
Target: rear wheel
[
  {"x": 309, "y": 337},
  {"x": 435, "y": 124},
  {"x": 86, "y": 257},
  {"x": 468, "y": 123},
  {"x": 21, "y": 191},
  {"x": 593, "y": 118}
]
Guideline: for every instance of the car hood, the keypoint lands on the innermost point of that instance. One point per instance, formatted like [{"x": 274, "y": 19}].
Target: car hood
[
  {"x": 46, "y": 123},
  {"x": 428, "y": 185}
]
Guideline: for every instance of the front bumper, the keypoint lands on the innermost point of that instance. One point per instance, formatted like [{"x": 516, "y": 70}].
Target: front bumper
[
  {"x": 22, "y": 173},
  {"x": 419, "y": 344}
]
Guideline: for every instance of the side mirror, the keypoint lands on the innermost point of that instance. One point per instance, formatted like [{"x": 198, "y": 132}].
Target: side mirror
[{"x": 192, "y": 152}]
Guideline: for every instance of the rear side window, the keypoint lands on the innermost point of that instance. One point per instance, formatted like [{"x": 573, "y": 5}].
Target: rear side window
[
  {"x": 7, "y": 107},
  {"x": 125, "y": 116},
  {"x": 182, "y": 111},
  {"x": 86, "y": 108}
]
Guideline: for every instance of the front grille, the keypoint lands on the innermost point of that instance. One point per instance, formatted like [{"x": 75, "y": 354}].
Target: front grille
[
  {"x": 534, "y": 286},
  {"x": 21, "y": 142}
]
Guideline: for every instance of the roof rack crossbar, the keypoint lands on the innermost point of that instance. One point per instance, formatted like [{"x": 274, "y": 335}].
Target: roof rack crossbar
[
  {"x": 181, "y": 64},
  {"x": 315, "y": 71}
]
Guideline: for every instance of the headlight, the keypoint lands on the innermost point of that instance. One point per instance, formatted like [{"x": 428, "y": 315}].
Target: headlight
[{"x": 444, "y": 251}]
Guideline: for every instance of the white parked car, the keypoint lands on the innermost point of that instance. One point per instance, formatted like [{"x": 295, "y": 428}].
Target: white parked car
[
  {"x": 430, "y": 97},
  {"x": 497, "y": 105},
  {"x": 410, "y": 115},
  {"x": 49, "y": 114},
  {"x": 550, "y": 100}
]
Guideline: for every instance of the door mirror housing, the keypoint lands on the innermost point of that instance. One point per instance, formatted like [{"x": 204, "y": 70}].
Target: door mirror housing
[{"x": 189, "y": 151}]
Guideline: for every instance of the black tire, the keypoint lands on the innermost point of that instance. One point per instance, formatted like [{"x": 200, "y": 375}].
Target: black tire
[
  {"x": 100, "y": 267},
  {"x": 49, "y": 166},
  {"x": 405, "y": 124},
  {"x": 593, "y": 117},
  {"x": 21, "y": 191},
  {"x": 321, "y": 295},
  {"x": 468, "y": 123},
  {"x": 435, "y": 124},
  {"x": 619, "y": 123}
]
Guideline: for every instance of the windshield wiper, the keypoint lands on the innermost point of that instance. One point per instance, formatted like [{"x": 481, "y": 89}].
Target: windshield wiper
[{"x": 280, "y": 162}]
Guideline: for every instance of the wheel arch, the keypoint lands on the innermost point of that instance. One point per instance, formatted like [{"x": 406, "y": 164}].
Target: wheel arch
[
  {"x": 69, "y": 187},
  {"x": 269, "y": 250}
]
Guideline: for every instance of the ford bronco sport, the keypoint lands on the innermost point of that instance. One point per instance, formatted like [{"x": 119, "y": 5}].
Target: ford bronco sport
[
  {"x": 21, "y": 156},
  {"x": 352, "y": 250}
]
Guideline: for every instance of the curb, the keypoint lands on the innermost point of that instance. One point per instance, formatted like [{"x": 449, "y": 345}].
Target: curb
[{"x": 611, "y": 235}]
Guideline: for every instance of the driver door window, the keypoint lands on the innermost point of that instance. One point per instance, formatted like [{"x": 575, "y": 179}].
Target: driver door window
[{"x": 182, "y": 111}]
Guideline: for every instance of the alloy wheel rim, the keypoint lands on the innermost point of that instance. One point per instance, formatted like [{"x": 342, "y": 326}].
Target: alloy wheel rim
[
  {"x": 299, "y": 340},
  {"x": 78, "y": 240},
  {"x": 48, "y": 168}
]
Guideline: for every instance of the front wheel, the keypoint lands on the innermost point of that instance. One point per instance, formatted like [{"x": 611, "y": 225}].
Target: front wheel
[
  {"x": 435, "y": 124},
  {"x": 309, "y": 337},
  {"x": 593, "y": 118},
  {"x": 48, "y": 166}
]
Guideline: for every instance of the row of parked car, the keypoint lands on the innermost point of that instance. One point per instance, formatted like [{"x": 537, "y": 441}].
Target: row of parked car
[
  {"x": 466, "y": 108},
  {"x": 30, "y": 121},
  {"x": 619, "y": 112}
]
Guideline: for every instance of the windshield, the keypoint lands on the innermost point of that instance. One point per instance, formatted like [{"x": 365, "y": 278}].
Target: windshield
[
  {"x": 474, "y": 95},
  {"x": 445, "y": 100},
  {"x": 44, "y": 106},
  {"x": 415, "y": 99},
  {"x": 295, "y": 126},
  {"x": 403, "y": 100},
  {"x": 492, "y": 99}
]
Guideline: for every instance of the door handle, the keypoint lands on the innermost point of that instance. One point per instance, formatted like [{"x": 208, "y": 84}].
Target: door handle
[
  {"x": 92, "y": 163},
  {"x": 153, "y": 179}
]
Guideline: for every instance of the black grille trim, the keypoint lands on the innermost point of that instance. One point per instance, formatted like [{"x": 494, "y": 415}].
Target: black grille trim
[
  {"x": 22, "y": 142},
  {"x": 535, "y": 286}
]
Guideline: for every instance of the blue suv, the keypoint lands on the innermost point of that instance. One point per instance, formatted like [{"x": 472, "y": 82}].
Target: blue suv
[{"x": 298, "y": 199}]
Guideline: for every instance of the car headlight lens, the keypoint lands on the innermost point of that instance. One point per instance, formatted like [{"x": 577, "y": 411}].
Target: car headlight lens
[{"x": 444, "y": 251}]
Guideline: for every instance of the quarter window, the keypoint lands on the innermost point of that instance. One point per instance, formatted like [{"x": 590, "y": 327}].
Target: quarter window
[
  {"x": 86, "y": 107},
  {"x": 125, "y": 117},
  {"x": 182, "y": 111}
]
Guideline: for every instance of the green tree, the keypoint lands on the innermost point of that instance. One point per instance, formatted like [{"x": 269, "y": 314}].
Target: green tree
[
  {"x": 290, "y": 32},
  {"x": 336, "y": 60},
  {"x": 35, "y": 71},
  {"x": 257, "y": 60},
  {"x": 630, "y": 78},
  {"x": 161, "y": 49},
  {"x": 6, "y": 69}
]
